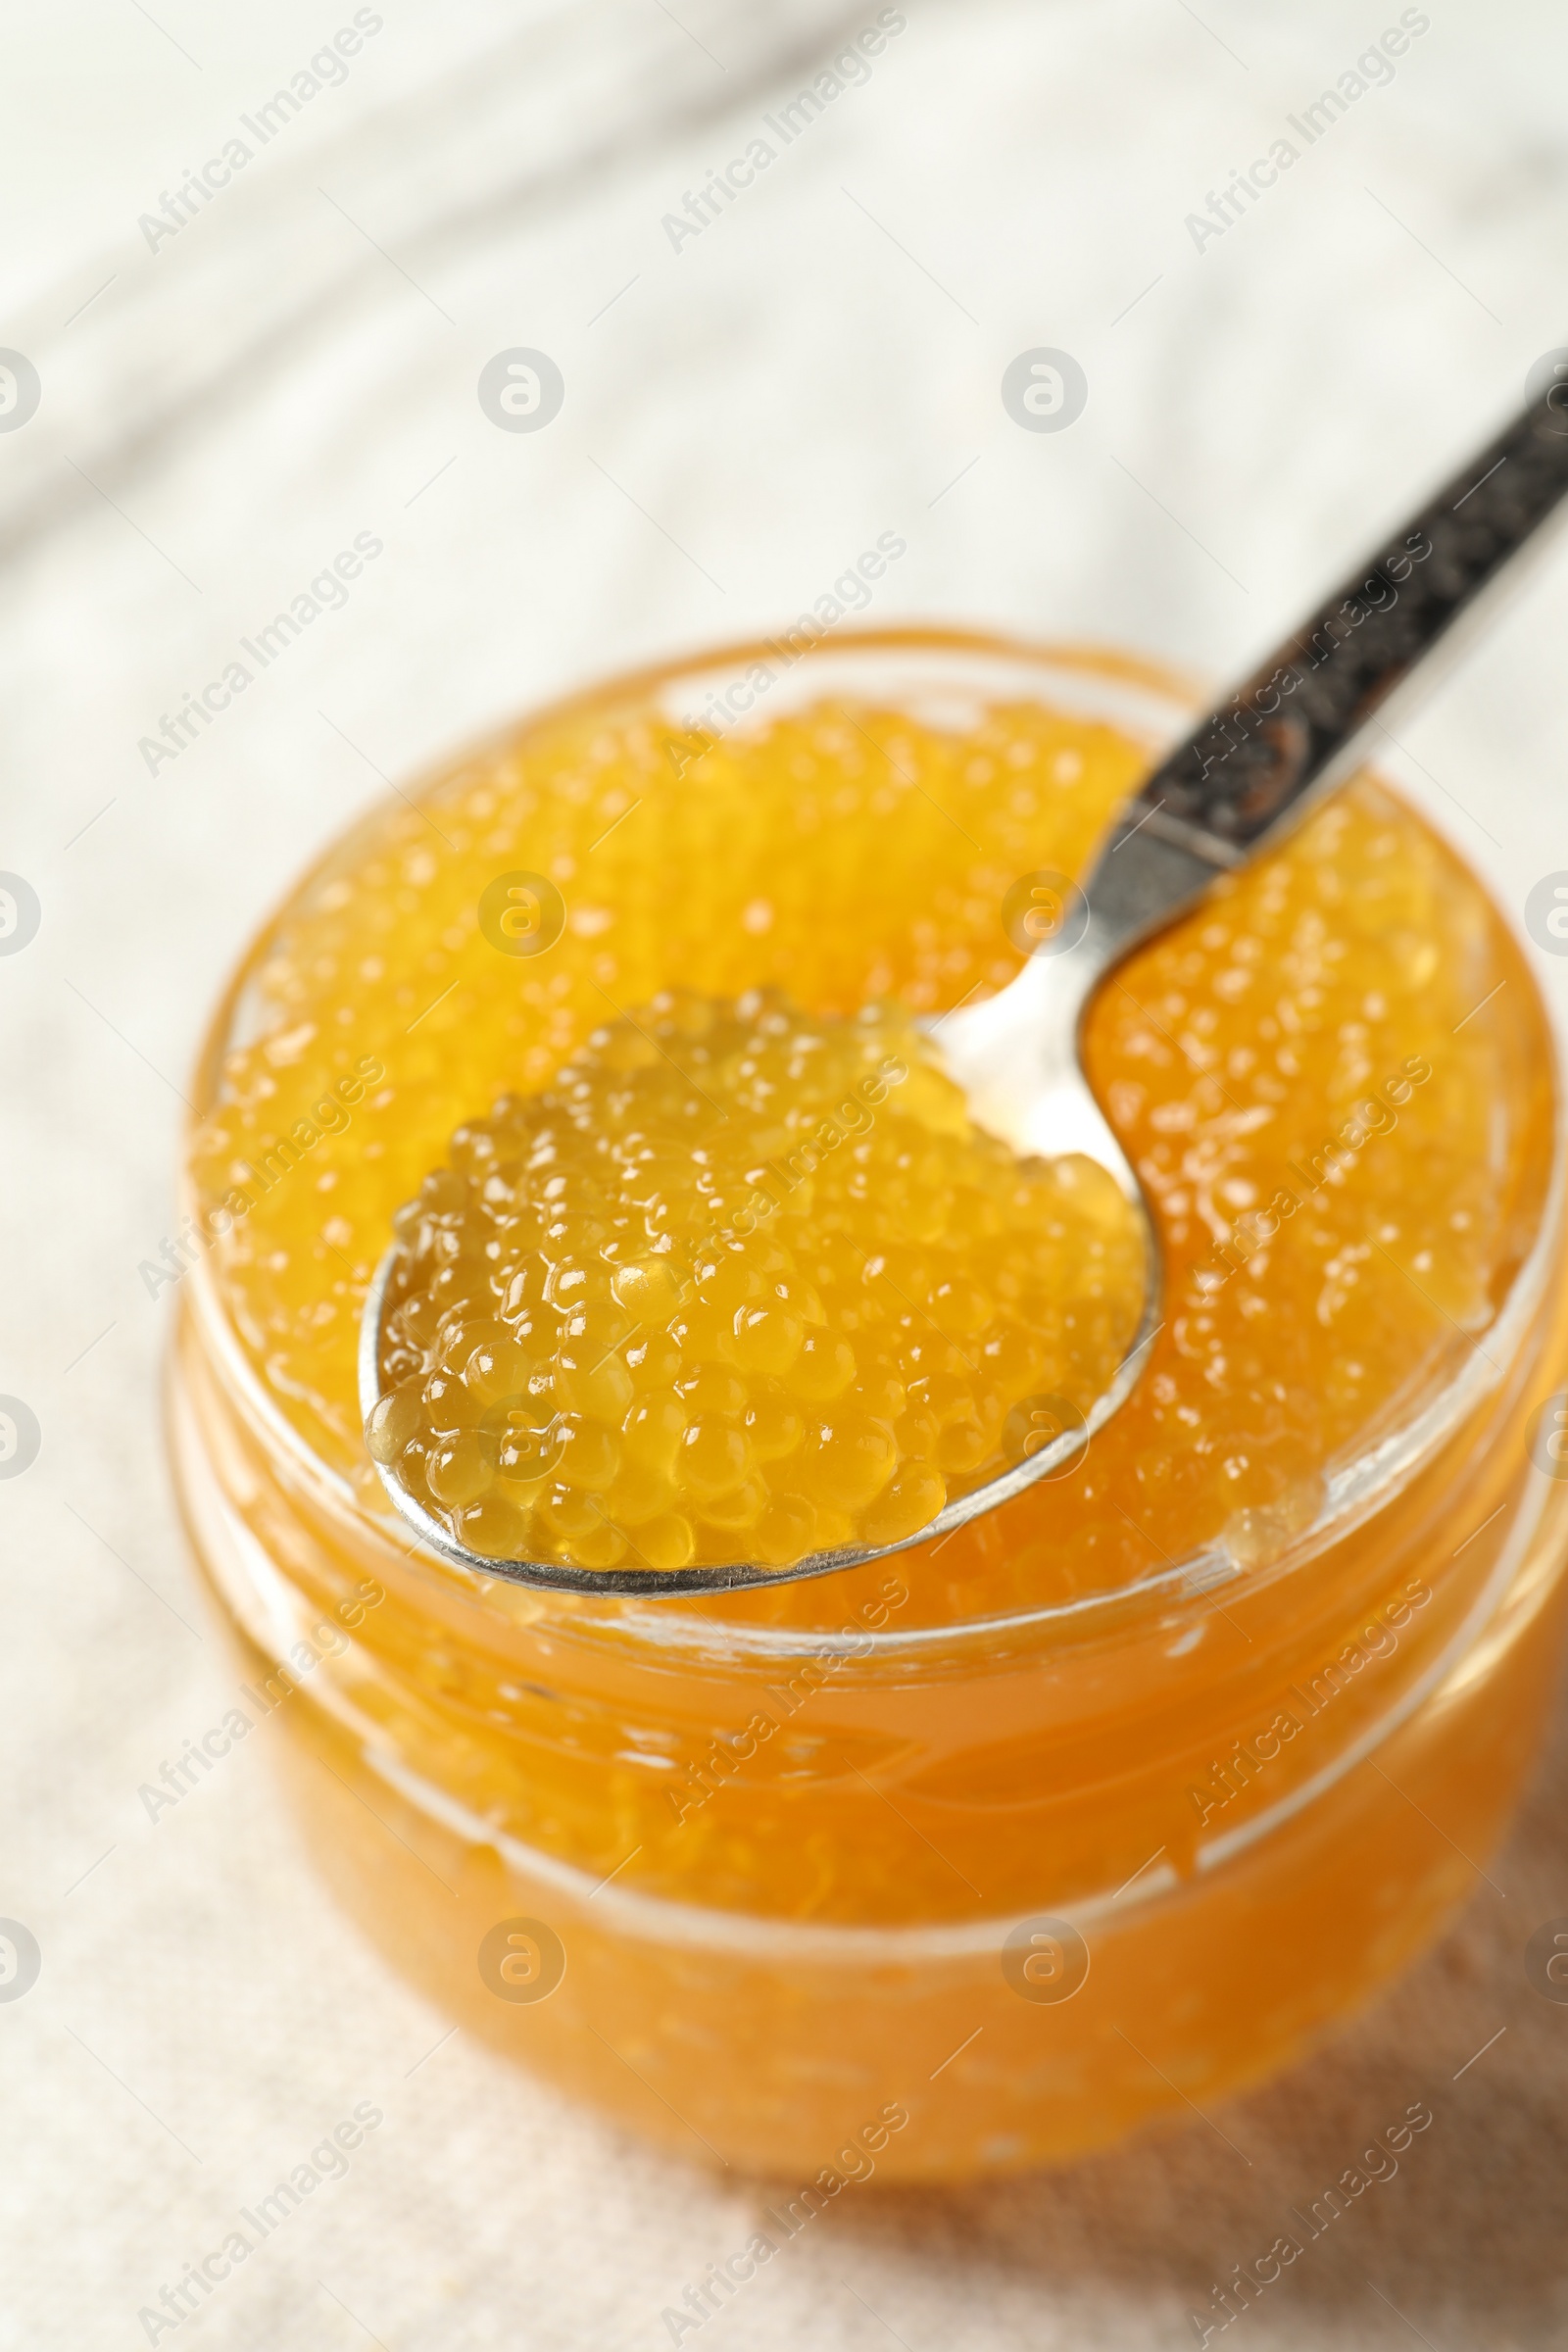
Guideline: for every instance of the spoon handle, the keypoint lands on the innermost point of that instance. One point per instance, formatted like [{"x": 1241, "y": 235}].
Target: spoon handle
[{"x": 1248, "y": 769}]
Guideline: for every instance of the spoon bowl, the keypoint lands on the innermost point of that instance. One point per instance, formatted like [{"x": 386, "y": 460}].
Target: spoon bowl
[{"x": 1050, "y": 1438}]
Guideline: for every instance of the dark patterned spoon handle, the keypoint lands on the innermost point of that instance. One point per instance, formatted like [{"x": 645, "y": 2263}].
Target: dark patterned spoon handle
[{"x": 1291, "y": 729}]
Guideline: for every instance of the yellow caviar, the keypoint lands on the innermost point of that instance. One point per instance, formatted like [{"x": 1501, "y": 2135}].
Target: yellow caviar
[
  {"x": 739, "y": 1285},
  {"x": 857, "y": 854}
]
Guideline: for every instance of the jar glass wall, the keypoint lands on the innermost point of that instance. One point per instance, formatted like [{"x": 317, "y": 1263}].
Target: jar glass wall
[{"x": 1035, "y": 1839}]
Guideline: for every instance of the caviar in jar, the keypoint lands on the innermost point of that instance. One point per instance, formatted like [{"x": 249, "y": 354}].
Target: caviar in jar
[{"x": 1236, "y": 1697}]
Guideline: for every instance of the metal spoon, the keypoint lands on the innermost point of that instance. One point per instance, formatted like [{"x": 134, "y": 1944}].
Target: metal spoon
[{"x": 1241, "y": 779}]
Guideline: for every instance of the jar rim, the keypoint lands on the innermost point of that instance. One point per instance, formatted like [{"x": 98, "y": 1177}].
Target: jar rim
[{"x": 1353, "y": 1491}]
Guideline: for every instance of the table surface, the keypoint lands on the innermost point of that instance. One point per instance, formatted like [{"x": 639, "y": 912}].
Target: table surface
[{"x": 223, "y": 407}]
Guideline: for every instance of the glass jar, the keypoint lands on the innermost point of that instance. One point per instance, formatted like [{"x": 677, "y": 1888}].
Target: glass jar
[{"x": 871, "y": 1884}]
